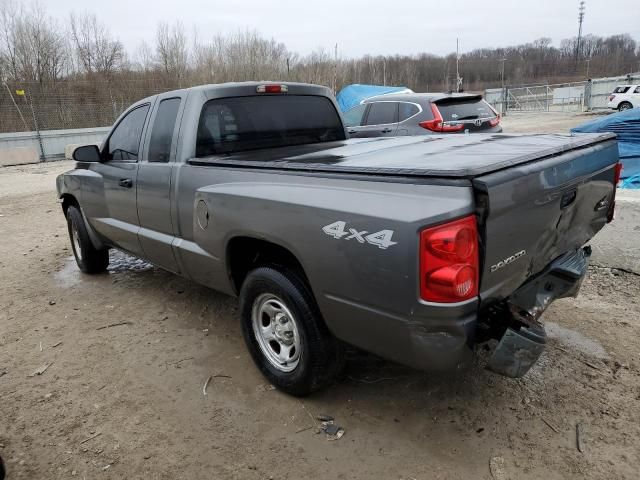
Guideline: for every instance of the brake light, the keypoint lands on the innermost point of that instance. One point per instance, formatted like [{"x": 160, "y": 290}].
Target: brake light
[
  {"x": 272, "y": 89},
  {"x": 616, "y": 179},
  {"x": 438, "y": 124},
  {"x": 449, "y": 265},
  {"x": 494, "y": 121},
  {"x": 611, "y": 97}
]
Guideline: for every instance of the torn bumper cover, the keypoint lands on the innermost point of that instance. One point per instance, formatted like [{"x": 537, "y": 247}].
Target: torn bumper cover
[{"x": 525, "y": 339}]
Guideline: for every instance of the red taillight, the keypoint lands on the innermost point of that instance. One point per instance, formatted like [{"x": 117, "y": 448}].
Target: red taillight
[
  {"x": 618, "y": 174},
  {"x": 611, "y": 97},
  {"x": 494, "y": 121},
  {"x": 616, "y": 179},
  {"x": 449, "y": 261},
  {"x": 272, "y": 89},
  {"x": 438, "y": 124}
]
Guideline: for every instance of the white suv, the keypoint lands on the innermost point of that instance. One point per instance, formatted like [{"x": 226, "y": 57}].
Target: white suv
[{"x": 625, "y": 97}]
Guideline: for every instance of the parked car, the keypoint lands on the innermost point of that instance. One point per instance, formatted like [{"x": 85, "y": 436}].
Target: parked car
[
  {"x": 624, "y": 97},
  {"x": 409, "y": 249},
  {"x": 401, "y": 114}
]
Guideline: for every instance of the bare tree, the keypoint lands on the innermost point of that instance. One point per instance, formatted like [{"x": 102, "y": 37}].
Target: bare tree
[
  {"x": 95, "y": 49},
  {"x": 171, "y": 50}
]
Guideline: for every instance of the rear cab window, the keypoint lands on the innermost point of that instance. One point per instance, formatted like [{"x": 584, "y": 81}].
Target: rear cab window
[
  {"x": 236, "y": 124},
  {"x": 457, "y": 109}
]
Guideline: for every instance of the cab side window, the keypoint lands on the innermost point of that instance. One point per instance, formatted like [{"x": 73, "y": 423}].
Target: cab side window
[
  {"x": 124, "y": 143},
  {"x": 407, "y": 110},
  {"x": 353, "y": 117},
  {"x": 637, "y": 90},
  {"x": 382, "y": 113},
  {"x": 162, "y": 131}
]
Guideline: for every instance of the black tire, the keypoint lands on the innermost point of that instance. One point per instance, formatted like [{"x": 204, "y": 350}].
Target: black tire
[
  {"x": 321, "y": 355},
  {"x": 88, "y": 258},
  {"x": 624, "y": 106}
]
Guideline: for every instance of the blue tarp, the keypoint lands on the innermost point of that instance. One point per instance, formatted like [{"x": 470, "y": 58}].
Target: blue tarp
[
  {"x": 353, "y": 95},
  {"x": 627, "y": 126},
  {"x": 631, "y": 182}
]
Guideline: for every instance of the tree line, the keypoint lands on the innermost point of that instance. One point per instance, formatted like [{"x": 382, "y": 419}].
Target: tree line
[{"x": 63, "y": 63}]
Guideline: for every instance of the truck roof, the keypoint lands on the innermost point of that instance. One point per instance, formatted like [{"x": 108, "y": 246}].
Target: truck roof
[
  {"x": 248, "y": 88},
  {"x": 451, "y": 156}
]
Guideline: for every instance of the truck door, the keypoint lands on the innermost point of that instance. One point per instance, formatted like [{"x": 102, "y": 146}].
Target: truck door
[
  {"x": 109, "y": 199},
  {"x": 155, "y": 171}
]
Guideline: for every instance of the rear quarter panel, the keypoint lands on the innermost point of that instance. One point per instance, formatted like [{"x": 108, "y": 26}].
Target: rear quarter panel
[{"x": 362, "y": 289}]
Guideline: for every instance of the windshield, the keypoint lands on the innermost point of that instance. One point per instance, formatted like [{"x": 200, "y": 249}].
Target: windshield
[{"x": 236, "y": 124}]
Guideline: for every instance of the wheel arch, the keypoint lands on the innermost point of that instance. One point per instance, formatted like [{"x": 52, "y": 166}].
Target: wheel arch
[
  {"x": 244, "y": 253},
  {"x": 67, "y": 200}
]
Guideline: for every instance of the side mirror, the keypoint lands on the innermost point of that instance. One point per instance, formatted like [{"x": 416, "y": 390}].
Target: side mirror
[{"x": 86, "y": 153}]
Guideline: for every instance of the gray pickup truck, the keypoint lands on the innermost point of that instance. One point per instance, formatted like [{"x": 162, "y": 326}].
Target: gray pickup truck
[{"x": 413, "y": 248}]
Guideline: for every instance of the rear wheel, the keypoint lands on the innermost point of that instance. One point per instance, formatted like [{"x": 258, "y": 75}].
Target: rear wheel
[
  {"x": 285, "y": 333},
  {"x": 88, "y": 258},
  {"x": 624, "y": 106}
]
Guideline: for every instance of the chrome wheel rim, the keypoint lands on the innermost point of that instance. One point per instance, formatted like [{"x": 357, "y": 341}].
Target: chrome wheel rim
[
  {"x": 276, "y": 331},
  {"x": 75, "y": 239}
]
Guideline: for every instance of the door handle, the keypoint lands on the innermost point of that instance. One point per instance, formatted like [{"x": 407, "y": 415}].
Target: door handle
[
  {"x": 387, "y": 130},
  {"x": 351, "y": 131},
  {"x": 125, "y": 182}
]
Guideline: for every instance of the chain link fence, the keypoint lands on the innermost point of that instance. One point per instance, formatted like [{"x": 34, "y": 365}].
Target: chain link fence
[
  {"x": 69, "y": 104},
  {"x": 562, "y": 97}
]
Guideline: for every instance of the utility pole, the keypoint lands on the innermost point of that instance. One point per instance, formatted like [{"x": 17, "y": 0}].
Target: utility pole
[
  {"x": 458, "y": 79},
  {"x": 384, "y": 71},
  {"x": 588, "y": 62},
  {"x": 581, "y": 10},
  {"x": 335, "y": 70},
  {"x": 502, "y": 86}
]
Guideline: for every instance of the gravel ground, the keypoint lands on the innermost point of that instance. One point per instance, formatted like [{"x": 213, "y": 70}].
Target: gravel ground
[
  {"x": 549, "y": 122},
  {"x": 126, "y": 401}
]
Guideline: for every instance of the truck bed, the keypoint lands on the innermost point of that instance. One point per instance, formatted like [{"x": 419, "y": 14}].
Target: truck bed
[{"x": 451, "y": 156}]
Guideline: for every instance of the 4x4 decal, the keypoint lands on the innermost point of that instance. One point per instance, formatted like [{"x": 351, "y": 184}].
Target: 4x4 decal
[{"x": 381, "y": 239}]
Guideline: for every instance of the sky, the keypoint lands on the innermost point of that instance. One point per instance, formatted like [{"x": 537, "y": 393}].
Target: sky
[{"x": 376, "y": 27}]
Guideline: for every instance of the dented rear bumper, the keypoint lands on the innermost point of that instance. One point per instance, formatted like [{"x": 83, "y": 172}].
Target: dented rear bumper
[{"x": 524, "y": 338}]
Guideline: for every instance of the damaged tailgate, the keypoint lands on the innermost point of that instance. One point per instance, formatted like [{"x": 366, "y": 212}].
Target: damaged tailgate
[{"x": 533, "y": 213}]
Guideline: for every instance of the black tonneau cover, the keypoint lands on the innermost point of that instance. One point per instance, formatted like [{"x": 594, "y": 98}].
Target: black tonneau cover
[{"x": 451, "y": 156}]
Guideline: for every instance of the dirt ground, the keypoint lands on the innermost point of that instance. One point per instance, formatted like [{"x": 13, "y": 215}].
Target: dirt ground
[
  {"x": 551, "y": 122},
  {"x": 127, "y": 401}
]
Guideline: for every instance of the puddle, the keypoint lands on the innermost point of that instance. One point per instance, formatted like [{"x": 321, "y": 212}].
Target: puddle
[
  {"x": 576, "y": 340},
  {"x": 121, "y": 262},
  {"x": 69, "y": 275}
]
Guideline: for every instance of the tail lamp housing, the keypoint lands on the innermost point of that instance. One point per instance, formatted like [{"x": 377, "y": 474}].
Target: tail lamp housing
[
  {"x": 616, "y": 179},
  {"x": 449, "y": 264},
  {"x": 438, "y": 124}
]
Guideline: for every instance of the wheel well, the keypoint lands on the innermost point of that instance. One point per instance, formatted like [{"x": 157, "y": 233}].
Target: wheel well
[
  {"x": 246, "y": 253},
  {"x": 67, "y": 201}
]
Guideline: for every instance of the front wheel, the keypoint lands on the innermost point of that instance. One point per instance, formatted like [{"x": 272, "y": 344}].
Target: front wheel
[
  {"x": 88, "y": 258},
  {"x": 624, "y": 106},
  {"x": 285, "y": 333}
]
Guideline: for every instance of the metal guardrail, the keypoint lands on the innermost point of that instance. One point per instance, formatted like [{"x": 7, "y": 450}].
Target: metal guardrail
[{"x": 32, "y": 147}]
